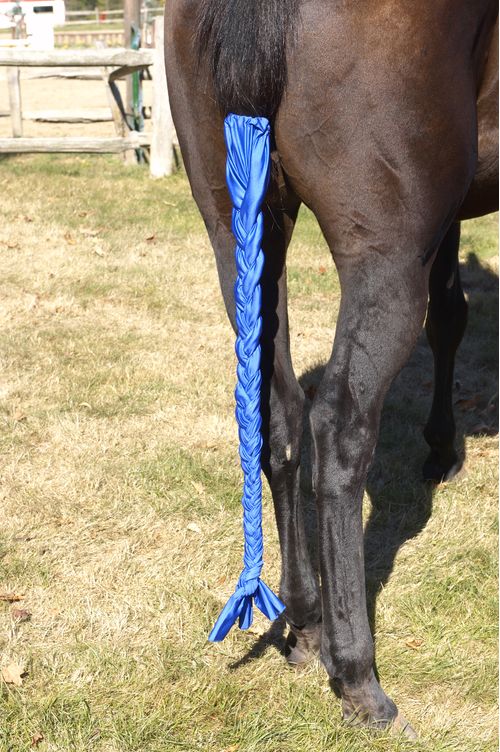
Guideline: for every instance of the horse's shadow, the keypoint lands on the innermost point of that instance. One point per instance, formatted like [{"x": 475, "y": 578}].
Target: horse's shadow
[{"x": 400, "y": 502}]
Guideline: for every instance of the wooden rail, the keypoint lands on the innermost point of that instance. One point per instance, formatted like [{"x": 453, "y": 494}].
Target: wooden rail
[
  {"x": 114, "y": 38},
  {"x": 132, "y": 141},
  {"x": 114, "y": 64},
  {"x": 96, "y": 115},
  {"x": 116, "y": 58}
]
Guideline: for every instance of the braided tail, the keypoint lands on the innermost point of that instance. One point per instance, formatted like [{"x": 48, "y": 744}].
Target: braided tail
[{"x": 247, "y": 175}]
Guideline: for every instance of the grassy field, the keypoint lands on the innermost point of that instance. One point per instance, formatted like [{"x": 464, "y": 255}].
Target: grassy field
[{"x": 119, "y": 496}]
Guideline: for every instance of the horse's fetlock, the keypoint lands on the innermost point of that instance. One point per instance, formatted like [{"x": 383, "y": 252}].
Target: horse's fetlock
[{"x": 440, "y": 437}]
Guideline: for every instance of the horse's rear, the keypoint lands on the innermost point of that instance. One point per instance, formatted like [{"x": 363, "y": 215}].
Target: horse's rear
[{"x": 374, "y": 108}]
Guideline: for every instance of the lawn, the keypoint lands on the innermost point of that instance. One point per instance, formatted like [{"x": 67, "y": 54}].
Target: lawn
[{"x": 120, "y": 530}]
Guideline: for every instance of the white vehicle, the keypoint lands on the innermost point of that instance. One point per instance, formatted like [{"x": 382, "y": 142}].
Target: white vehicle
[{"x": 39, "y": 16}]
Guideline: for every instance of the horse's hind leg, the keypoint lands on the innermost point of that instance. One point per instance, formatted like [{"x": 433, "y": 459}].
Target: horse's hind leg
[
  {"x": 445, "y": 326},
  {"x": 381, "y": 315},
  {"x": 282, "y": 413}
]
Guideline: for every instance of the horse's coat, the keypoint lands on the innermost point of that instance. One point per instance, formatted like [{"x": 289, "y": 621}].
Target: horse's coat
[{"x": 387, "y": 131}]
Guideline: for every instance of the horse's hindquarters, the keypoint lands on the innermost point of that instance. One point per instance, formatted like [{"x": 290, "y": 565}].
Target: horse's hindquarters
[
  {"x": 482, "y": 197},
  {"x": 379, "y": 134}
]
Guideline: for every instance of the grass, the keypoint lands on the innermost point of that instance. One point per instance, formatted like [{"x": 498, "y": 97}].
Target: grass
[{"x": 119, "y": 509}]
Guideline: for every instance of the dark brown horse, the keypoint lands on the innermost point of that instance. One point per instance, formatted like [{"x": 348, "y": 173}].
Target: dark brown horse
[{"x": 384, "y": 124}]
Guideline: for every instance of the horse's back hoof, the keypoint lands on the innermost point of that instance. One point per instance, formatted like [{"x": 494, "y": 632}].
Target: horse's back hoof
[
  {"x": 436, "y": 471},
  {"x": 399, "y": 726},
  {"x": 302, "y": 645}
]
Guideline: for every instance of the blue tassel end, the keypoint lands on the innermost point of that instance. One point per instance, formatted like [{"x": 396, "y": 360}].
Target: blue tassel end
[{"x": 240, "y": 606}]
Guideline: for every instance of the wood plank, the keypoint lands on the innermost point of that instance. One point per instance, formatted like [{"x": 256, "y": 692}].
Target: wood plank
[
  {"x": 162, "y": 149},
  {"x": 14, "y": 85},
  {"x": 115, "y": 104},
  {"x": 74, "y": 145},
  {"x": 81, "y": 74},
  {"x": 113, "y": 58},
  {"x": 97, "y": 115}
]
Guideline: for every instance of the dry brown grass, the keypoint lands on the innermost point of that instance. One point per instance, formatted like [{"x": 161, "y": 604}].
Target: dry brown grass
[{"x": 119, "y": 510}]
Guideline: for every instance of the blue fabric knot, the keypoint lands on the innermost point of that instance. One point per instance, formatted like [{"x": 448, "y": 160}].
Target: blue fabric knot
[{"x": 247, "y": 175}]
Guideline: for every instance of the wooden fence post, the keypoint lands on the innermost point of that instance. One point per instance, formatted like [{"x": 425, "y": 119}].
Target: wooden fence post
[
  {"x": 16, "y": 115},
  {"x": 162, "y": 150},
  {"x": 131, "y": 17}
]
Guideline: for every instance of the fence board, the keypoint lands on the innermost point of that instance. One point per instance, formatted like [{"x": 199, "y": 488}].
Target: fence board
[
  {"x": 162, "y": 152},
  {"x": 13, "y": 83},
  {"x": 114, "y": 58},
  {"x": 74, "y": 145}
]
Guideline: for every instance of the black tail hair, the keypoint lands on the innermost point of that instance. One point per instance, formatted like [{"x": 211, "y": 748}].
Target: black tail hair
[{"x": 244, "y": 44}]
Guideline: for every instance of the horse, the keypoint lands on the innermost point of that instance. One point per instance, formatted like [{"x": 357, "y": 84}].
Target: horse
[{"x": 383, "y": 122}]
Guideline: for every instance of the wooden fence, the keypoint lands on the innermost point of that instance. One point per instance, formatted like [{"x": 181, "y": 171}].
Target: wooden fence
[
  {"x": 114, "y": 64},
  {"x": 83, "y": 38}
]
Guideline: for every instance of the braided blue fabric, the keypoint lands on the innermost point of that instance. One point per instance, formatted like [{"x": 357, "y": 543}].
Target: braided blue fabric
[{"x": 247, "y": 175}]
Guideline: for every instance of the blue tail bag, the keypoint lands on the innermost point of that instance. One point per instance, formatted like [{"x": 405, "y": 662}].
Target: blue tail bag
[{"x": 247, "y": 175}]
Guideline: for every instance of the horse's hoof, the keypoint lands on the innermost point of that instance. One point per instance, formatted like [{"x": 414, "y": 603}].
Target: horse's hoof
[
  {"x": 399, "y": 726},
  {"x": 302, "y": 645},
  {"x": 436, "y": 471}
]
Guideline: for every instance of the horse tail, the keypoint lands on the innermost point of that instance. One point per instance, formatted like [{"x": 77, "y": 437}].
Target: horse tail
[{"x": 244, "y": 43}]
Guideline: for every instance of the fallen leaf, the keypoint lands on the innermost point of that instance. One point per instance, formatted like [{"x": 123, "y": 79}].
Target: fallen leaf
[
  {"x": 99, "y": 251},
  {"x": 468, "y": 404},
  {"x": 194, "y": 528},
  {"x": 232, "y": 748},
  {"x": 18, "y": 415},
  {"x": 69, "y": 238},
  {"x": 11, "y": 597},
  {"x": 257, "y": 629},
  {"x": 150, "y": 238},
  {"x": 21, "y": 614},
  {"x": 198, "y": 486},
  {"x": 322, "y": 269},
  {"x": 36, "y": 739},
  {"x": 12, "y": 674},
  {"x": 12, "y": 244},
  {"x": 414, "y": 643}
]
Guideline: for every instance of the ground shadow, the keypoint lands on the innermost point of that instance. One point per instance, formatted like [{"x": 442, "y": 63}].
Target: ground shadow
[
  {"x": 274, "y": 637},
  {"x": 401, "y": 503}
]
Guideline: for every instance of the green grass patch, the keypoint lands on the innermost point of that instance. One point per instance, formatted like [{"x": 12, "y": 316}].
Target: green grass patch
[{"x": 120, "y": 502}]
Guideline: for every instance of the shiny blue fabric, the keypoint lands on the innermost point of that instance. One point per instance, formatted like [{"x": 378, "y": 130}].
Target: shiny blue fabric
[{"x": 247, "y": 175}]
